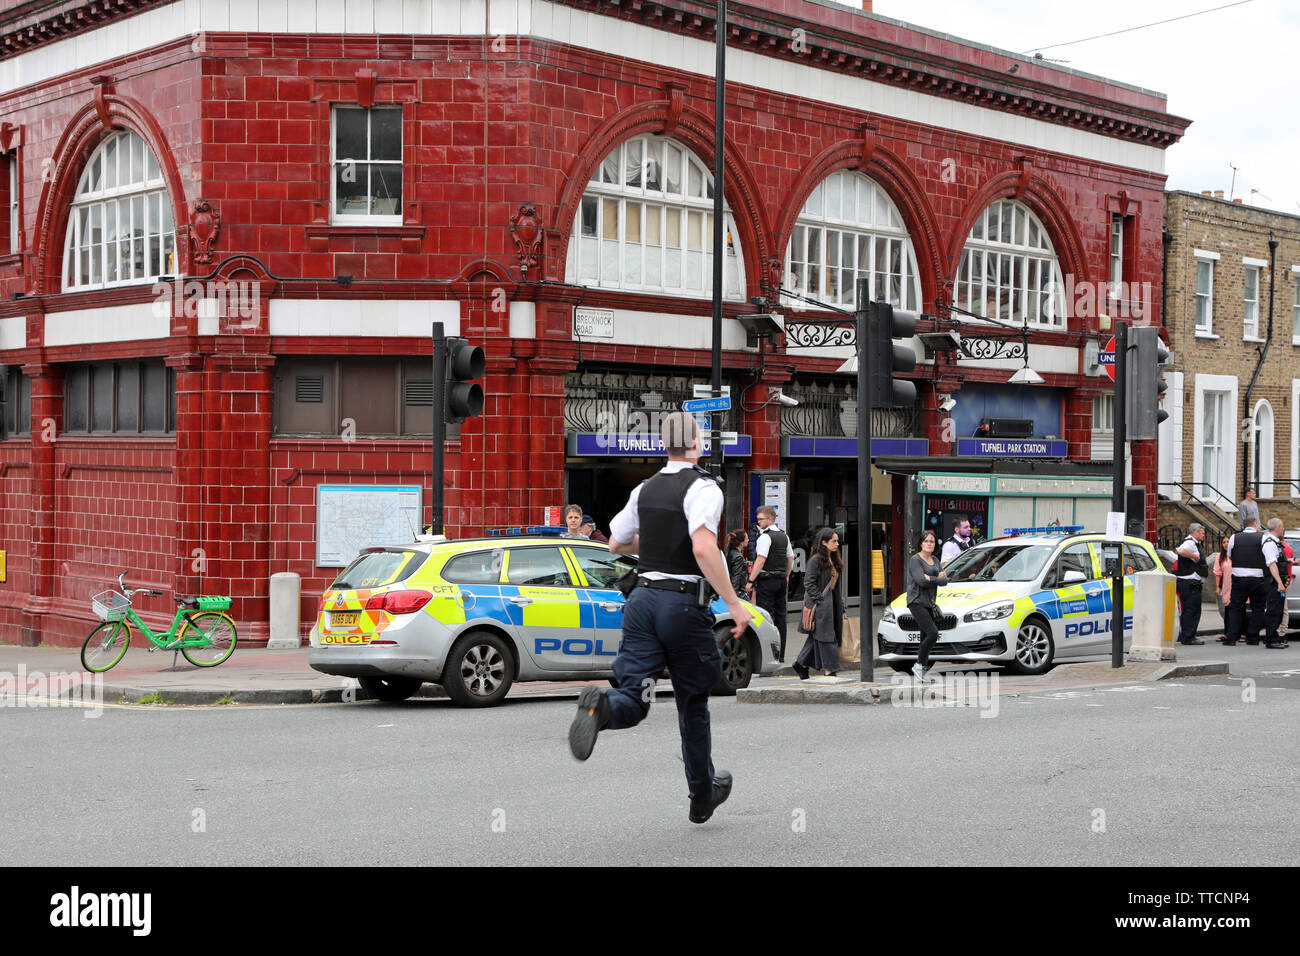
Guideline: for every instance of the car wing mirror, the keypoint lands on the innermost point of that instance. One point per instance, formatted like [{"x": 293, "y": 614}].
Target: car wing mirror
[{"x": 1074, "y": 577}]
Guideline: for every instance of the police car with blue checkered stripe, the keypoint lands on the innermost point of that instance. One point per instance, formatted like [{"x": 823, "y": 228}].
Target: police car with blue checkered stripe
[
  {"x": 478, "y": 614},
  {"x": 1029, "y": 600}
]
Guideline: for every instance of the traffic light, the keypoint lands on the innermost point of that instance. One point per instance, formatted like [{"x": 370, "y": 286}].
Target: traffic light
[
  {"x": 885, "y": 323},
  {"x": 1145, "y": 383},
  {"x": 464, "y": 398}
]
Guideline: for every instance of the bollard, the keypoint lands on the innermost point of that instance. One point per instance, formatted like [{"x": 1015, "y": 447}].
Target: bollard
[
  {"x": 286, "y": 592},
  {"x": 1155, "y": 617}
]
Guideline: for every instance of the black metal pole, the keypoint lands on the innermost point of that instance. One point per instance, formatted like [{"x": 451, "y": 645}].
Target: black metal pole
[
  {"x": 439, "y": 423},
  {"x": 866, "y": 624},
  {"x": 1117, "y": 495},
  {"x": 719, "y": 253}
]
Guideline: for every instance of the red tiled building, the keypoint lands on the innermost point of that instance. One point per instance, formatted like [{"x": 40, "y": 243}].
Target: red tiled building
[{"x": 232, "y": 225}]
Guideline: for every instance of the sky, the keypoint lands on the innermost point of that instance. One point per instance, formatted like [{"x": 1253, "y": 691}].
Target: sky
[{"x": 1233, "y": 72}]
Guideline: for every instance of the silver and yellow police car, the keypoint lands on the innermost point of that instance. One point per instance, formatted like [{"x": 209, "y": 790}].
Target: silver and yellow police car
[
  {"x": 1028, "y": 601},
  {"x": 478, "y": 614}
]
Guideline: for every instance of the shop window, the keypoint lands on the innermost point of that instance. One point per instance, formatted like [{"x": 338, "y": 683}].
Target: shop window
[
  {"x": 850, "y": 229},
  {"x": 17, "y": 393},
  {"x": 1009, "y": 269},
  {"x": 366, "y": 165},
  {"x": 120, "y": 228},
  {"x": 119, "y": 398},
  {"x": 364, "y": 397},
  {"x": 645, "y": 223}
]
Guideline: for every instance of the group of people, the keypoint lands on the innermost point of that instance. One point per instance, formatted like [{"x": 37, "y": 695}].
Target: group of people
[
  {"x": 1252, "y": 567},
  {"x": 768, "y": 582}
]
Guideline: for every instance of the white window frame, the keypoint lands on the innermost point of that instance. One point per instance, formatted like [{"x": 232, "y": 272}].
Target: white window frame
[
  {"x": 1033, "y": 256},
  {"x": 1103, "y": 426},
  {"x": 1250, "y": 307},
  {"x": 1227, "y": 385},
  {"x": 1295, "y": 438},
  {"x": 880, "y": 230},
  {"x": 97, "y": 197},
  {"x": 14, "y": 211},
  {"x": 692, "y": 202},
  {"x": 1209, "y": 259},
  {"x": 1116, "y": 255},
  {"x": 1295, "y": 314},
  {"x": 1262, "y": 449},
  {"x": 367, "y": 219}
]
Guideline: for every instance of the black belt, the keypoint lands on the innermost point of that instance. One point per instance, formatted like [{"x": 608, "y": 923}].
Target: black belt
[
  {"x": 667, "y": 584},
  {"x": 771, "y": 574}
]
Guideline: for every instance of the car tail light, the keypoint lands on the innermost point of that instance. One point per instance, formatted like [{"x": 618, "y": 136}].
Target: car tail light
[
  {"x": 405, "y": 602},
  {"x": 376, "y": 603}
]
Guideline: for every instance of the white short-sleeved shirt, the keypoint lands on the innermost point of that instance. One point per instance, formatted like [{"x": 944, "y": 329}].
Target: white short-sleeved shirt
[
  {"x": 951, "y": 549},
  {"x": 1189, "y": 544},
  {"x": 764, "y": 545},
  {"x": 1270, "y": 555},
  {"x": 703, "y": 507}
]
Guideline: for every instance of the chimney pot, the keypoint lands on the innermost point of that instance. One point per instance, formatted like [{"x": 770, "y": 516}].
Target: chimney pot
[
  {"x": 1206, "y": 192},
  {"x": 1218, "y": 194},
  {"x": 1238, "y": 199}
]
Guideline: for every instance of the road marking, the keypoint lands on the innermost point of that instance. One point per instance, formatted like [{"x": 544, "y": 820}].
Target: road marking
[
  {"x": 384, "y": 725},
  {"x": 1093, "y": 705},
  {"x": 1162, "y": 708}
]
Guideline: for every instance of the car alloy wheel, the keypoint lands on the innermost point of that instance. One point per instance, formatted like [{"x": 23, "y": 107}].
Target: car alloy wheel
[
  {"x": 482, "y": 670},
  {"x": 1033, "y": 648}
]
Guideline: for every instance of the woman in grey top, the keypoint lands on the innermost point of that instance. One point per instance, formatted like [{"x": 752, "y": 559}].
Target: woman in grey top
[
  {"x": 924, "y": 575},
  {"x": 821, "y": 593}
]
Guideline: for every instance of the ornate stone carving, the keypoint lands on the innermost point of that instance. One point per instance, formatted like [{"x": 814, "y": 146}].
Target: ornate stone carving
[
  {"x": 205, "y": 226},
  {"x": 526, "y": 230}
]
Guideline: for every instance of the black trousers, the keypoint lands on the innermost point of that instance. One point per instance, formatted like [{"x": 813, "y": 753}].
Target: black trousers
[
  {"x": 924, "y": 616},
  {"x": 1189, "y": 596},
  {"x": 1246, "y": 589},
  {"x": 770, "y": 595},
  {"x": 1274, "y": 610}
]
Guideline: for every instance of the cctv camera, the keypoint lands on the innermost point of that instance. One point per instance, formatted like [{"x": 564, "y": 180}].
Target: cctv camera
[
  {"x": 784, "y": 399},
  {"x": 948, "y": 403}
]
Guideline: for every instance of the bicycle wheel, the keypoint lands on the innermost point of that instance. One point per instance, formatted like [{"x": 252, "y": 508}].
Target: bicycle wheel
[
  {"x": 218, "y": 634},
  {"x": 105, "y": 646}
]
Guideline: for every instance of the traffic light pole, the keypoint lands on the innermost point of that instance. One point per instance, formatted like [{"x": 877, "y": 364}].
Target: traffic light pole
[
  {"x": 439, "y": 423},
  {"x": 866, "y": 623},
  {"x": 1117, "y": 493}
]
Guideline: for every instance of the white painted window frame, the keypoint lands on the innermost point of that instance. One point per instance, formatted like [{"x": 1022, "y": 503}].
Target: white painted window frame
[
  {"x": 1206, "y": 330},
  {"x": 1258, "y": 447},
  {"x": 1032, "y": 257},
  {"x": 1250, "y": 307},
  {"x": 1230, "y": 436},
  {"x": 1295, "y": 438},
  {"x": 354, "y": 219}
]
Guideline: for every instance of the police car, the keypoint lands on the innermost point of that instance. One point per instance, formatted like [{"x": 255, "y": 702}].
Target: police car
[
  {"x": 1027, "y": 601},
  {"x": 478, "y": 614}
]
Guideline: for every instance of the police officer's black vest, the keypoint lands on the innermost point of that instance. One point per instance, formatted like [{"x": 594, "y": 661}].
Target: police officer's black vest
[
  {"x": 968, "y": 543},
  {"x": 1283, "y": 563},
  {"x": 1248, "y": 550},
  {"x": 779, "y": 552},
  {"x": 665, "y": 538},
  {"x": 1185, "y": 565}
]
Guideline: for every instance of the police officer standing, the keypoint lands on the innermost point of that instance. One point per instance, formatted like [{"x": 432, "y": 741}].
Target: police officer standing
[
  {"x": 671, "y": 523},
  {"x": 1254, "y": 559},
  {"x": 769, "y": 579},
  {"x": 1188, "y": 570},
  {"x": 959, "y": 542},
  {"x": 1275, "y": 607}
]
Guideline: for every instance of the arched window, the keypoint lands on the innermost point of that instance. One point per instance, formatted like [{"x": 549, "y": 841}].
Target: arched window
[
  {"x": 1009, "y": 269},
  {"x": 848, "y": 229},
  {"x": 1262, "y": 449},
  {"x": 646, "y": 224},
  {"x": 120, "y": 229}
]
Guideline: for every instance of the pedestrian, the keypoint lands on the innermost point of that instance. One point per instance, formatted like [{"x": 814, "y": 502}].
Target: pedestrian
[
  {"x": 1247, "y": 508},
  {"x": 769, "y": 579},
  {"x": 1189, "y": 570},
  {"x": 1280, "y": 574},
  {"x": 737, "y": 566},
  {"x": 821, "y": 595},
  {"x": 924, "y": 576},
  {"x": 573, "y": 522},
  {"x": 588, "y": 529},
  {"x": 671, "y": 523},
  {"x": 1252, "y": 555},
  {"x": 1222, "y": 570},
  {"x": 959, "y": 542}
]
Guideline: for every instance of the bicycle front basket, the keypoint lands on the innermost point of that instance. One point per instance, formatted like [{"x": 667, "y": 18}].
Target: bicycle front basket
[
  {"x": 213, "y": 603},
  {"x": 110, "y": 605}
]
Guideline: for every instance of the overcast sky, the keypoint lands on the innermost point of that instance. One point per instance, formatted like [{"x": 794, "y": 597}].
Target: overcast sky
[{"x": 1235, "y": 73}]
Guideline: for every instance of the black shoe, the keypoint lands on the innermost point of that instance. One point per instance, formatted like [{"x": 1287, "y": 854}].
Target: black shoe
[
  {"x": 1229, "y": 643},
  {"x": 702, "y": 807},
  {"x": 1280, "y": 646},
  {"x": 1193, "y": 641},
  {"x": 800, "y": 670},
  {"x": 592, "y": 716},
  {"x": 1252, "y": 643}
]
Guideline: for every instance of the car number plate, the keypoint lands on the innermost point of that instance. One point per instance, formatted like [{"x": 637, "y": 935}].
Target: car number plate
[
  {"x": 344, "y": 618},
  {"x": 913, "y": 637}
]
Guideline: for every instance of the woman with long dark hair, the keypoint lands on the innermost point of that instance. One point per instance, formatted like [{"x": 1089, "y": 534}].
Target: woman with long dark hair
[
  {"x": 821, "y": 595},
  {"x": 737, "y": 568},
  {"x": 924, "y": 575}
]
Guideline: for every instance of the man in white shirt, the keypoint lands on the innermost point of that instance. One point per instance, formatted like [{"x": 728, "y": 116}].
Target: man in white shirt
[
  {"x": 1253, "y": 556},
  {"x": 769, "y": 579},
  {"x": 1189, "y": 583},
  {"x": 671, "y": 523},
  {"x": 959, "y": 542}
]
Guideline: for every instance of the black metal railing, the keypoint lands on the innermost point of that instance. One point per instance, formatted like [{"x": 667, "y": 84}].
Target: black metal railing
[
  {"x": 829, "y": 407},
  {"x": 617, "y": 401},
  {"x": 1214, "y": 507}
]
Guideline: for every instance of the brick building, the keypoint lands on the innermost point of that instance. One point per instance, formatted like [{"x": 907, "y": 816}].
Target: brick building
[
  {"x": 231, "y": 226},
  {"x": 1233, "y": 315}
]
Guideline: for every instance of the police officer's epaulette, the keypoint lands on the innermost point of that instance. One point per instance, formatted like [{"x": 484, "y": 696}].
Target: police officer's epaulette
[{"x": 705, "y": 473}]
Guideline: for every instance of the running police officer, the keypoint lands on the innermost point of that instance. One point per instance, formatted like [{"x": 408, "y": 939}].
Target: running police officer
[
  {"x": 1281, "y": 572},
  {"x": 770, "y": 577},
  {"x": 671, "y": 523},
  {"x": 1188, "y": 569}
]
